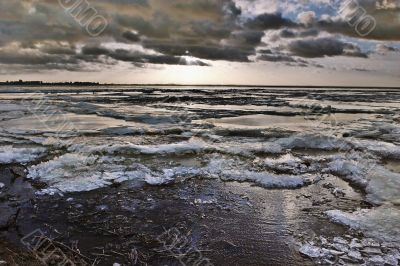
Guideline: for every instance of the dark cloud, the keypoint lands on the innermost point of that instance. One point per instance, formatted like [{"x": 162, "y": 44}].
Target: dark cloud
[
  {"x": 209, "y": 29},
  {"x": 287, "y": 59},
  {"x": 286, "y": 33},
  {"x": 158, "y": 26},
  {"x": 205, "y": 52},
  {"x": 251, "y": 38},
  {"x": 276, "y": 58},
  {"x": 130, "y": 36},
  {"x": 139, "y": 57},
  {"x": 94, "y": 50},
  {"x": 14, "y": 57},
  {"x": 57, "y": 49},
  {"x": 321, "y": 47},
  {"x": 269, "y": 21}
]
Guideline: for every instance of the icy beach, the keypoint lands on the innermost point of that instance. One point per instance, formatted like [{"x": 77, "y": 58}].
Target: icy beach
[{"x": 253, "y": 175}]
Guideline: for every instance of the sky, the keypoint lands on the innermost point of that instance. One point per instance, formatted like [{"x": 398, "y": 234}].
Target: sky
[{"x": 243, "y": 42}]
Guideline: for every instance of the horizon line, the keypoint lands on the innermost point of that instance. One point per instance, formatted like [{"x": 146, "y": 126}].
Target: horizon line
[{"x": 94, "y": 84}]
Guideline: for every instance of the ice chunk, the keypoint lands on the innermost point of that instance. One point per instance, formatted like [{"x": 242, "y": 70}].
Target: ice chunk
[
  {"x": 382, "y": 222},
  {"x": 77, "y": 172},
  {"x": 287, "y": 159},
  {"x": 169, "y": 175},
  {"x": 192, "y": 146},
  {"x": 351, "y": 170},
  {"x": 231, "y": 170},
  {"x": 355, "y": 255},
  {"x": 267, "y": 180},
  {"x": 9, "y": 154},
  {"x": 310, "y": 251},
  {"x": 286, "y": 162},
  {"x": 383, "y": 149},
  {"x": 250, "y": 148},
  {"x": 383, "y": 187},
  {"x": 313, "y": 141},
  {"x": 376, "y": 260}
]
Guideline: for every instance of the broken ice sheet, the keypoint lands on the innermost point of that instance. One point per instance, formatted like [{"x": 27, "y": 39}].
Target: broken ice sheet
[
  {"x": 380, "y": 222},
  {"x": 9, "y": 154},
  {"x": 78, "y": 172}
]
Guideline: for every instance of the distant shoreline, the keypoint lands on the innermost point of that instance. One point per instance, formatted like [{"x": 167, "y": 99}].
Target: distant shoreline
[{"x": 92, "y": 84}]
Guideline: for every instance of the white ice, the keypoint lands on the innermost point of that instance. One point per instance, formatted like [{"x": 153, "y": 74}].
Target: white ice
[
  {"x": 9, "y": 154},
  {"x": 381, "y": 222}
]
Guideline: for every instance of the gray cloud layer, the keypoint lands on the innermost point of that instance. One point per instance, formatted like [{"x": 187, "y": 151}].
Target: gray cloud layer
[{"x": 41, "y": 33}]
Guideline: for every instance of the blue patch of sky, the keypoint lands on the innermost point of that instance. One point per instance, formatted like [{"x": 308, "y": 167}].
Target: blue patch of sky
[
  {"x": 319, "y": 10},
  {"x": 370, "y": 45},
  {"x": 365, "y": 45}
]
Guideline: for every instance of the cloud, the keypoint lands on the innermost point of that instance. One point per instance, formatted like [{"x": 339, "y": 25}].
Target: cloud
[
  {"x": 321, "y": 47},
  {"x": 185, "y": 32},
  {"x": 140, "y": 57},
  {"x": 276, "y": 58},
  {"x": 131, "y": 36},
  {"x": 374, "y": 19},
  {"x": 269, "y": 21},
  {"x": 209, "y": 52},
  {"x": 385, "y": 49},
  {"x": 306, "y": 18},
  {"x": 95, "y": 50}
]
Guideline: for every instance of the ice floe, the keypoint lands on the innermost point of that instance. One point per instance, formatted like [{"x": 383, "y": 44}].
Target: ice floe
[
  {"x": 313, "y": 141},
  {"x": 191, "y": 146},
  {"x": 287, "y": 162},
  {"x": 227, "y": 170},
  {"x": 381, "y": 148},
  {"x": 9, "y": 154},
  {"x": 380, "y": 184},
  {"x": 75, "y": 172},
  {"x": 267, "y": 180},
  {"x": 380, "y": 222},
  {"x": 351, "y": 170},
  {"x": 78, "y": 172}
]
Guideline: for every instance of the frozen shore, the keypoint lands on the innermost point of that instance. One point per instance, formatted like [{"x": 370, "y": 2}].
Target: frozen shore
[{"x": 315, "y": 172}]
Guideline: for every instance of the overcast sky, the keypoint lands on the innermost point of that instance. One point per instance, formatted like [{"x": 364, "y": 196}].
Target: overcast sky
[{"x": 260, "y": 42}]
